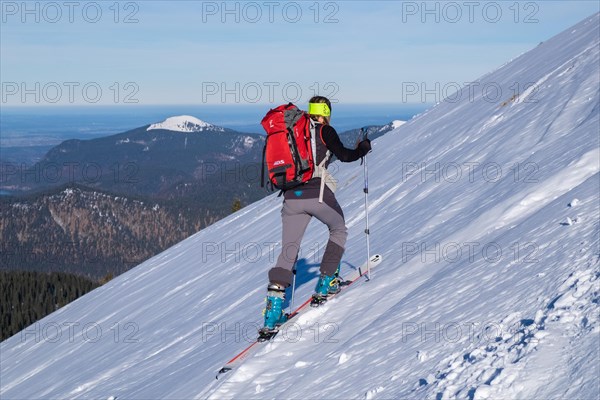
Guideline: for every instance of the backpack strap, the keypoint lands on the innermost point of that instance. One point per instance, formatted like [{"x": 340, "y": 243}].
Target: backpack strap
[
  {"x": 326, "y": 177},
  {"x": 321, "y": 169},
  {"x": 313, "y": 141},
  {"x": 264, "y": 162}
]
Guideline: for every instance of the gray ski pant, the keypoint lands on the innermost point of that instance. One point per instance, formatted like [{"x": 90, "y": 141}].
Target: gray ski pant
[{"x": 296, "y": 214}]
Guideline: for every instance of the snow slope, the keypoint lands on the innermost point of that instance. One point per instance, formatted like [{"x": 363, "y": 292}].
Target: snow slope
[{"x": 486, "y": 212}]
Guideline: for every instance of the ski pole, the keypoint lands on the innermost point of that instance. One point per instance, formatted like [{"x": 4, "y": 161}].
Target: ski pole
[
  {"x": 293, "y": 289},
  {"x": 366, "y": 190}
]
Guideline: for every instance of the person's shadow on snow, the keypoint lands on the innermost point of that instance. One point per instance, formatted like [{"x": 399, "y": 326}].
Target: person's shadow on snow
[{"x": 307, "y": 272}]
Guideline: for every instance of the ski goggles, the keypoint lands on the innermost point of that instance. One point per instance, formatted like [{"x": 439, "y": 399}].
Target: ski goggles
[{"x": 319, "y": 109}]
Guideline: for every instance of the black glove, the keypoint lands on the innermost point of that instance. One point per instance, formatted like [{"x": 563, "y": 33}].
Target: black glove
[{"x": 364, "y": 147}]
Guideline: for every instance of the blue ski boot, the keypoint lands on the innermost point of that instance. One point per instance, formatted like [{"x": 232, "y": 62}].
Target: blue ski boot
[
  {"x": 274, "y": 315},
  {"x": 326, "y": 286}
]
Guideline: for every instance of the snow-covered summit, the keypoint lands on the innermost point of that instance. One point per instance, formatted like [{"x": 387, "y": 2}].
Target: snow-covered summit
[
  {"x": 397, "y": 123},
  {"x": 185, "y": 123}
]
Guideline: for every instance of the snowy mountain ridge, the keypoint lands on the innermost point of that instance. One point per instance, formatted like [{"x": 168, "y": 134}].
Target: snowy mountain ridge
[
  {"x": 397, "y": 123},
  {"x": 486, "y": 213},
  {"x": 185, "y": 124}
]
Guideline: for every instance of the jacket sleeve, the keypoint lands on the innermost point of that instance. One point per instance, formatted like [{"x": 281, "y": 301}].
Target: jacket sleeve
[{"x": 335, "y": 145}]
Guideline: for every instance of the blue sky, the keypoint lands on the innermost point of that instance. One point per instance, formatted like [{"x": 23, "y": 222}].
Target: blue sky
[{"x": 245, "y": 52}]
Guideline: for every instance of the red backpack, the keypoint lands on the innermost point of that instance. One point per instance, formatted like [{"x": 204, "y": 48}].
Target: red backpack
[{"x": 289, "y": 148}]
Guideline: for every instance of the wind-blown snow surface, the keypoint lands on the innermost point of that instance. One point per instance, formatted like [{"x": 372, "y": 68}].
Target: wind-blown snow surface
[{"x": 486, "y": 213}]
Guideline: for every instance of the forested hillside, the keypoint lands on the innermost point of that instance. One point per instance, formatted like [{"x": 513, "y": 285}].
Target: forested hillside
[{"x": 28, "y": 296}]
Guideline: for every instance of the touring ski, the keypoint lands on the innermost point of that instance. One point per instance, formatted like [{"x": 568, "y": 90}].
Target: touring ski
[{"x": 264, "y": 337}]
